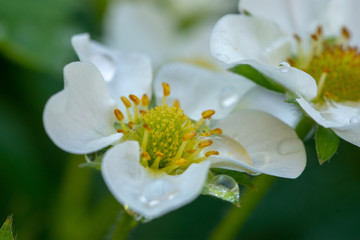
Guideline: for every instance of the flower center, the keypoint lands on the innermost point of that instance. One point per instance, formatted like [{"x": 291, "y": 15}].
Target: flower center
[
  {"x": 169, "y": 140},
  {"x": 333, "y": 64}
]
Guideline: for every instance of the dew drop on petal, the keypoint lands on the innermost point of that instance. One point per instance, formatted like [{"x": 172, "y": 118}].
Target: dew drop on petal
[
  {"x": 135, "y": 215},
  {"x": 289, "y": 146},
  {"x": 105, "y": 64},
  {"x": 223, "y": 187},
  {"x": 230, "y": 148},
  {"x": 284, "y": 67},
  {"x": 158, "y": 191},
  {"x": 354, "y": 120},
  {"x": 228, "y": 97}
]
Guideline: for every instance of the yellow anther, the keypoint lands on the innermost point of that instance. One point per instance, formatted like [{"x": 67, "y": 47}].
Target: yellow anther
[
  {"x": 207, "y": 114},
  {"x": 159, "y": 154},
  {"x": 147, "y": 127},
  {"x": 345, "y": 32},
  {"x": 131, "y": 125},
  {"x": 297, "y": 37},
  {"x": 205, "y": 134},
  {"x": 205, "y": 143},
  {"x": 145, "y": 155},
  {"x": 134, "y": 99},
  {"x": 319, "y": 31},
  {"x": 119, "y": 115},
  {"x": 216, "y": 131},
  {"x": 177, "y": 104},
  {"x": 209, "y": 153},
  {"x": 191, "y": 151},
  {"x": 180, "y": 162},
  {"x": 188, "y": 136},
  {"x": 166, "y": 89},
  {"x": 126, "y": 102},
  {"x": 145, "y": 101},
  {"x": 121, "y": 131},
  {"x": 142, "y": 112},
  {"x": 314, "y": 37}
]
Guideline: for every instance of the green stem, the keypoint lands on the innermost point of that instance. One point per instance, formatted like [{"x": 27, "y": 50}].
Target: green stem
[
  {"x": 236, "y": 217},
  {"x": 123, "y": 227}
]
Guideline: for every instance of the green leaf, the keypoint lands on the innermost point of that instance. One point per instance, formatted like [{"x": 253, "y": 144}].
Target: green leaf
[
  {"x": 6, "y": 230},
  {"x": 240, "y": 177},
  {"x": 327, "y": 143},
  {"x": 254, "y": 75}
]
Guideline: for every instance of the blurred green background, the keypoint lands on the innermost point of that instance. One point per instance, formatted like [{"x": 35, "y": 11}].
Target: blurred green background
[{"x": 52, "y": 198}]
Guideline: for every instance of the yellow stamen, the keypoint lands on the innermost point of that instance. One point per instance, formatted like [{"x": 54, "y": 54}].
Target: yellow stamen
[
  {"x": 205, "y": 143},
  {"x": 131, "y": 125},
  {"x": 180, "y": 162},
  {"x": 207, "y": 114},
  {"x": 210, "y": 153},
  {"x": 156, "y": 162},
  {"x": 145, "y": 102},
  {"x": 146, "y": 158},
  {"x": 216, "y": 131},
  {"x": 127, "y": 104},
  {"x": 136, "y": 102},
  {"x": 146, "y": 136},
  {"x": 177, "y": 104},
  {"x": 121, "y": 131},
  {"x": 120, "y": 117},
  {"x": 166, "y": 91},
  {"x": 186, "y": 138}
]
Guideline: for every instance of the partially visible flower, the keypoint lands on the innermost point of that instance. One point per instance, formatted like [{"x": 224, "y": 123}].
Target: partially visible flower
[
  {"x": 160, "y": 158},
  {"x": 321, "y": 38},
  {"x": 166, "y": 31}
]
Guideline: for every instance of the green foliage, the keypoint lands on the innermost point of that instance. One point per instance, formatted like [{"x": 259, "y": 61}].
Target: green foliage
[
  {"x": 6, "y": 230},
  {"x": 327, "y": 143},
  {"x": 254, "y": 75},
  {"x": 37, "y": 33}
]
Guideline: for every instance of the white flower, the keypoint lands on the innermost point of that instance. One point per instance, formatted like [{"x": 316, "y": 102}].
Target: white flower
[
  {"x": 319, "y": 37},
  {"x": 140, "y": 168},
  {"x": 165, "y": 31}
]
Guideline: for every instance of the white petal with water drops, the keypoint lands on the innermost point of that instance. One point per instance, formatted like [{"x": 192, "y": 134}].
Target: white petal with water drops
[
  {"x": 273, "y": 147},
  {"x": 150, "y": 194},
  {"x": 199, "y": 89},
  {"x": 239, "y": 37}
]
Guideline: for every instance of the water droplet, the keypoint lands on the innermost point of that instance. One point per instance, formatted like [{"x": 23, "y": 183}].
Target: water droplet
[
  {"x": 135, "y": 215},
  {"x": 284, "y": 67},
  {"x": 289, "y": 146},
  {"x": 230, "y": 149},
  {"x": 223, "y": 187},
  {"x": 105, "y": 64},
  {"x": 156, "y": 192},
  {"x": 228, "y": 97},
  {"x": 354, "y": 120}
]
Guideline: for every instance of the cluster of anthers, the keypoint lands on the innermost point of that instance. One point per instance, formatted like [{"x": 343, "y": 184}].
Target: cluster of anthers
[
  {"x": 333, "y": 63},
  {"x": 169, "y": 140}
]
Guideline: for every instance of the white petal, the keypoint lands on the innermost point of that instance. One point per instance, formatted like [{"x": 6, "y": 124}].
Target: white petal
[
  {"x": 239, "y": 37},
  {"x": 344, "y": 13},
  {"x": 274, "y": 147},
  {"x": 261, "y": 99},
  {"x": 291, "y": 78},
  {"x": 343, "y": 119},
  {"x": 147, "y": 193},
  {"x": 295, "y": 16},
  {"x": 124, "y": 72},
  {"x": 79, "y": 119},
  {"x": 141, "y": 27},
  {"x": 199, "y": 89}
]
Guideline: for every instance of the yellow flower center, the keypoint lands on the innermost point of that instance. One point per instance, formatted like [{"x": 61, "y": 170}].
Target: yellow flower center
[
  {"x": 169, "y": 140},
  {"x": 333, "y": 64}
]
